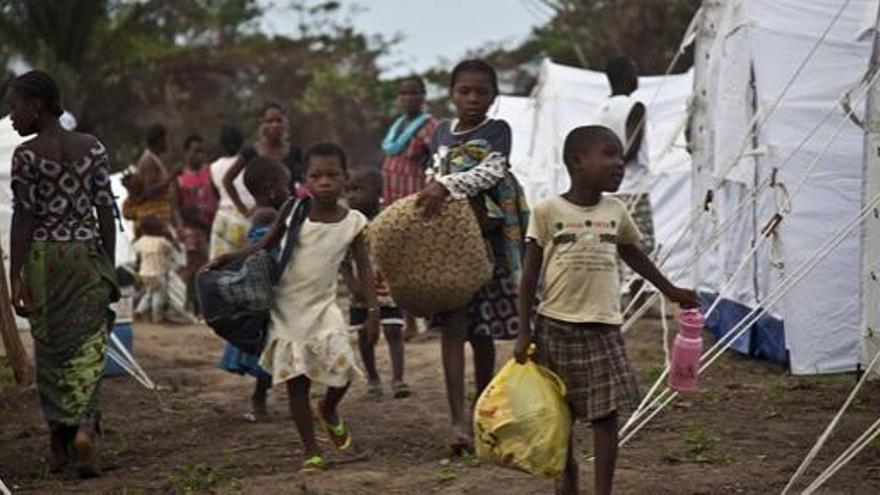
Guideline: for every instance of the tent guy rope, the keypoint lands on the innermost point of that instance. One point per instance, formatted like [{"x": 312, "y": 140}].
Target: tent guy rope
[{"x": 724, "y": 343}]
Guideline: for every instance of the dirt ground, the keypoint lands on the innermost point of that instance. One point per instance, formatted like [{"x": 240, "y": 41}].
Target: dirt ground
[{"x": 746, "y": 432}]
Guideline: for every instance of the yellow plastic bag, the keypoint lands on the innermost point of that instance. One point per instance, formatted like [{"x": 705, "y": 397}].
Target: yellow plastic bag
[{"x": 522, "y": 420}]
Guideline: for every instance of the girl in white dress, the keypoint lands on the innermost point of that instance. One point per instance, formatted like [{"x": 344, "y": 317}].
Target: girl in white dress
[{"x": 308, "y": 335}]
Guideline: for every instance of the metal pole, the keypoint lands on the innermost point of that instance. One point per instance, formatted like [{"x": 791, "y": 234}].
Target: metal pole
[{"x": 870, "y": 300}]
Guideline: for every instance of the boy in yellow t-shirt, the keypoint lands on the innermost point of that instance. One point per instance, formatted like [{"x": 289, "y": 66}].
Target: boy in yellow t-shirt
[{"x": 574, "y": 241}]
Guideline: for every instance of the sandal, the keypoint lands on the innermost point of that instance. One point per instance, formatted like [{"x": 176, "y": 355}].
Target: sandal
[
  {"x": 313, "y": 464},
  {"x": 400, "y": 389},
  {"x": 374, "y": 389},
  {"x": 337, "y": 434}
]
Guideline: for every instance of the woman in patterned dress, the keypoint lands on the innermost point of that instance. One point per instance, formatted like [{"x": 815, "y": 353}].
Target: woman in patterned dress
[{"x": 61, "y": 264}]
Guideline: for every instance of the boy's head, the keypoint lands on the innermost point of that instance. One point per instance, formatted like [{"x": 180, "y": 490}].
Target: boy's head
[
  {"x": 325, "y": 171},
  {"x": 623, "y": 75},
  {"x": 194, "y": 151},
  {"x": 593, "y": 155},
  {"x": 267, "y": 181},
  {"x": 152, "y": 225},
  {"x": 264, "y": 216},
  {"x": 365, "y": 190}
]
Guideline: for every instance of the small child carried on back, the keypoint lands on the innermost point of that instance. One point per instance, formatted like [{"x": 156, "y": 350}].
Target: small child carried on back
[
  {"x": 364, "y": 192},
  {"x": 573, "y": 242},
  {"x": 262, "y": 218}
]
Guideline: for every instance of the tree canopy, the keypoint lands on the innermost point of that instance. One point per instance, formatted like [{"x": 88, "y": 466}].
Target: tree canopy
[{"x": 195, "y": 65}]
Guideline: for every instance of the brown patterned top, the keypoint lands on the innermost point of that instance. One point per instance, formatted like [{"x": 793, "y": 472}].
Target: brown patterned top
[{"x": 62, "y": 197}]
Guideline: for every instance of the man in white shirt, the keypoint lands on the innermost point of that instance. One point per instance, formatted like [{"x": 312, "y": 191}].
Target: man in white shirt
[{"x": 627, "y": 117}]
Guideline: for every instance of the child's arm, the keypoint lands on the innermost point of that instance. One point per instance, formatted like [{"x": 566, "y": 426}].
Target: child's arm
[
  {"x": 528, "y": 285},
  {"x": 462, "y": 184},
  {"x": 229, "y": 183},
  {"x": 350, "y": 280},
  {"x": 367, "y": 284},
  {"x": 270, "y": 240},
  {"x": 641, "y": 264}
]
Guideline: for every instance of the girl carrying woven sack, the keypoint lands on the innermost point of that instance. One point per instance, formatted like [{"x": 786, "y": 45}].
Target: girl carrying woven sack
[{"x": 471, "y": 161}]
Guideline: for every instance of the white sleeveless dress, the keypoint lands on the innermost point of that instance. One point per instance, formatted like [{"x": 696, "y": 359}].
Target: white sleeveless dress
[{"x": 308, "y": 334}]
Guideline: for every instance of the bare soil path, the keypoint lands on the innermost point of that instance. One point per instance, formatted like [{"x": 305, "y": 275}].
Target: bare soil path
[{"x": 746, "y": 432}]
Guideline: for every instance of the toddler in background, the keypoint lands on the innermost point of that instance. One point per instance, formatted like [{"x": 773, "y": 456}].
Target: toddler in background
[
  {"x": 154, "y": 250},
  {"x": 193, "y": 235}
]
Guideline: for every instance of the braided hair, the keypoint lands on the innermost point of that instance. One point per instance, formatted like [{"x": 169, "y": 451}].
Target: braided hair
[{"x": 39, "y": 85}]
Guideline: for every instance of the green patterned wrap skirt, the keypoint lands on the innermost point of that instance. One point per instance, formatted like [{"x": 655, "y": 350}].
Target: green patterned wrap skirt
[{"x": 71, "y": 285}]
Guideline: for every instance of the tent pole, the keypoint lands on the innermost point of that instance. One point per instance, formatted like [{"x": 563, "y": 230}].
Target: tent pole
[
  {"x": 15, "y": 352},
  {"x": 699, "y": 137},
  {"x": 871, "y": 230}
]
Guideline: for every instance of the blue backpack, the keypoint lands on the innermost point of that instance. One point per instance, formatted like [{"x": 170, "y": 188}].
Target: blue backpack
[{"x": 236, "y": 299}]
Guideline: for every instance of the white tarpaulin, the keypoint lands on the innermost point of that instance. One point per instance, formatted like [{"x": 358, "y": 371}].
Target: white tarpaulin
[
  {"x": 758, "y": 50},
  {"x": 567, "y": 97}
]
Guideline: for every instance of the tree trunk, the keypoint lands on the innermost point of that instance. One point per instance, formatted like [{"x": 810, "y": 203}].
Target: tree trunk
[{"x": 18, "y": 357}]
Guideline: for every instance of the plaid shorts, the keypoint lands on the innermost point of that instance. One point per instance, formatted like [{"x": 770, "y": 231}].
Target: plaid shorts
[{"x": 591, "y": 360}]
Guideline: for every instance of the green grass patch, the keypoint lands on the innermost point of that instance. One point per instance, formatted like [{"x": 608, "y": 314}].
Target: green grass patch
[
  {"x": 190, "y": 478},
  {"x": 653, "y": 372},
  {"x": 7, "y": 378},
  {"x": 699, "y": 442}
]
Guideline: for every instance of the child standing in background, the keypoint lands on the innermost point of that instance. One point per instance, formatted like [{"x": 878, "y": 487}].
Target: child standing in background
[
  {"x": 193, "y": 236},
  {"x": 407, "y": 154},
  {"x": 154, "y": 251},
  {"x": 471, "y": 161},
  {"x": 194, "y": 188},
  {"x": 573, "y": 244},
  {"x": 266, "y": 181},
  {"x": 364, "y": 194}
]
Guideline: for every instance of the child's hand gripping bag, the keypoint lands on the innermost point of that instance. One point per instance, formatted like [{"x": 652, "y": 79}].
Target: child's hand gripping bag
[{"x": 522, "y": 420}]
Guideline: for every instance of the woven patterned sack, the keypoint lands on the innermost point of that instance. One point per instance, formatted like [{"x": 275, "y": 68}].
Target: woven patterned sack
[{"x": 432, "y": 265}]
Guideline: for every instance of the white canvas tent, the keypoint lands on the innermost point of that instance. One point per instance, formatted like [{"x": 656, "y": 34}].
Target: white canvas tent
[
  {"x": 785, "y": 65},
  {"x": 565, "y": 98},
  {"x": 757, "y": 60}
]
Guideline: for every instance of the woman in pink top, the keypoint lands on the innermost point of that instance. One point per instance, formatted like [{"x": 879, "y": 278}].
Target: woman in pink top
[{"x": 194, "y": 185}]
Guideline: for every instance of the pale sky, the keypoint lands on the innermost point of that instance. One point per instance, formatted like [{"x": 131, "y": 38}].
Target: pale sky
[{"x": 433, "y": 30}]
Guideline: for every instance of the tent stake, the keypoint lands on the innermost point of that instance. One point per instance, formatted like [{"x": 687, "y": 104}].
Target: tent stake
[{"x": 18, "y": 358}]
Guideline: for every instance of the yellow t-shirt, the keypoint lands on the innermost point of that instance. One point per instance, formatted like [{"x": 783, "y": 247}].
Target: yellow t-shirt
[{"x": 580, "y": 278}]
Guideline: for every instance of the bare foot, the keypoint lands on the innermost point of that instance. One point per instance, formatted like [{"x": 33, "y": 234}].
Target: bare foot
[
  {"x": 461, "y": 441},
  {"x": 58, "y": 450},
  {"x": 86, "y": 453}
]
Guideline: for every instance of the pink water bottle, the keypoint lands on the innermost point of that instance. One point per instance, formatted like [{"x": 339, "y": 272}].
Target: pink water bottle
[{"x": 686, "y": 351}]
